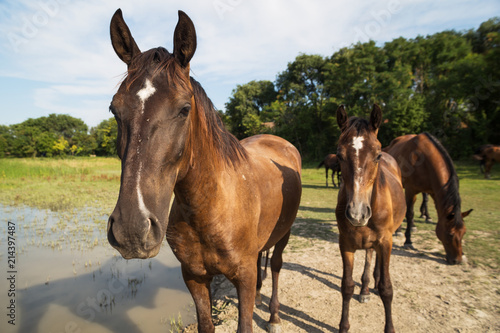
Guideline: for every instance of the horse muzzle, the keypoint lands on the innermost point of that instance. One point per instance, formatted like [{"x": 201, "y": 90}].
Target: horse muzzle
[
  {"x": 358, "y": 214},
  {"x": 135, "y": 239}
]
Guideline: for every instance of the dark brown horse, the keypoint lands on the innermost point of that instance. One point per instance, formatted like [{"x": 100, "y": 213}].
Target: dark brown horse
[
  {"x": 427, "y": 167},
  {"x": 331, "y": 162},
  {"x": 233, "y": 199},
  {"x": 487, "y": 155},
  {"x": 370, "y": 206}
]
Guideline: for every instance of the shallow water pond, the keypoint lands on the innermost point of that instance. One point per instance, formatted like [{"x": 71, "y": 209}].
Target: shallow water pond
[{"x": 68, "y": 278}]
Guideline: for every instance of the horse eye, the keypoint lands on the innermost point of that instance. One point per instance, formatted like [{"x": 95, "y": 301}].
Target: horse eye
[
  {"x": 379, "y": 156},
  {"x": 185, "y": 111}
]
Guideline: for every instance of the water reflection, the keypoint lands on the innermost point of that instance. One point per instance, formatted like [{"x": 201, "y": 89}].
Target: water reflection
[{"x": 70, "y": 280}]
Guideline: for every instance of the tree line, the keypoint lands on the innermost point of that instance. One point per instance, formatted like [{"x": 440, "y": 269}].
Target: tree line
[
  {"x": 58, "y": 135},
  {"x": 447, "y": 84}
]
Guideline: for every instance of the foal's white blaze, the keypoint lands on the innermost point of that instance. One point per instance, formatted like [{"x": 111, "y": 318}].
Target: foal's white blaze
[
  {"x": 357, "y": 144},
  {"x": 146, "y": 92}
]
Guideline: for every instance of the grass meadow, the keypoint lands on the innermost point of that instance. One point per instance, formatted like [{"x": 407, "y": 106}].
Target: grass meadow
[{"x": 82, "y": 183}]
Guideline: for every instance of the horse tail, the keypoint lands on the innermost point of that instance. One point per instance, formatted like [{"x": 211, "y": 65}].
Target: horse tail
[{"x": 322, "y": 163}]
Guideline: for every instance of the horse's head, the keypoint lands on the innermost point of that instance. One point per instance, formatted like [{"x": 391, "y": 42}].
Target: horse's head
[
  {"x": 359, "y": 152},
  {"x": 153, "y": 109},
  {"x": 451, "y": 232}
]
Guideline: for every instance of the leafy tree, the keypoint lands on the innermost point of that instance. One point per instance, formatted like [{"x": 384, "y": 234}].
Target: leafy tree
[
  {"x": 247, "y": 105},
  {"x": 105, "y": 135}
]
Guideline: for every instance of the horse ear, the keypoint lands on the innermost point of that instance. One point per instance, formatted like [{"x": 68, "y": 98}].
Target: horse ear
[
  {"x": 121, "y": 38},
  {"x": 376, "y": 117},
  {"x": 184, "y": 39},
  {"x": 341, "y": 117},
  {"x": 465, "y": 214}
]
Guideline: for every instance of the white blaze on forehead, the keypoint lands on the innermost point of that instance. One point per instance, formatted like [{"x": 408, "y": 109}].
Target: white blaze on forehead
[
  {"x": 146, "y": 92},
  {"x": 357, "y": 143}
]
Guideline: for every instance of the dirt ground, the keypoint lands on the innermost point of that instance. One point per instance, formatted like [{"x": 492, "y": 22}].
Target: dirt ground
[{"x": 429, "y": 295}]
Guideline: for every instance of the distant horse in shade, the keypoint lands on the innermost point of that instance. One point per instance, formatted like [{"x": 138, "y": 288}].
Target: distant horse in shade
[
  {"x": 331, "y": 162},
  {"x": 487, "y": 155},
  {"x": 370, "y": 207},
  {"x": 233, "y": 200},
  {"x": 427, "y": 167}
]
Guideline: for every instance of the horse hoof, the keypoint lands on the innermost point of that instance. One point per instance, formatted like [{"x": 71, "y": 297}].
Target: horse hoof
[
  {"x": 274, "y": 328},
  {"x": 428, "y": 220},
  {"x": 364, "y": 298},
  {"x": 398, "y": 234},
  {"x": 409, "y": 247}
]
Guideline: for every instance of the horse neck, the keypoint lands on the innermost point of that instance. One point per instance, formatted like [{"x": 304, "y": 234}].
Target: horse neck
[{"x": 205, "y": 167}]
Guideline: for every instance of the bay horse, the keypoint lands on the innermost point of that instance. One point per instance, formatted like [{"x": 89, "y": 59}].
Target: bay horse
[
  {"x": 370, "y": 207},
  {"x": 330, "y": 162},
  {"x": 233, "y": 200},
  {"x": 487, "y": 155},
  {"x": 427, "y": 167}
]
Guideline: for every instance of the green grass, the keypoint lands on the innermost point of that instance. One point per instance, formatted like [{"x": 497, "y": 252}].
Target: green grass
[
  {"x": 60, "y": 184},
  {"x": 79, "y": 183}
]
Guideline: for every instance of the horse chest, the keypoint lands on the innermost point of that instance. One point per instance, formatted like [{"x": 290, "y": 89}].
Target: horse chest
[{"x": 199, "y": 255}]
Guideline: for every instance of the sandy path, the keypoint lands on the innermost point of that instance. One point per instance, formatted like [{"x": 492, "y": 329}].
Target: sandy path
[{"x": 429, "y": 295}]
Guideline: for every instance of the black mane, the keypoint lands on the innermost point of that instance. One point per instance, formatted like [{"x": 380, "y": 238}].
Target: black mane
[{"x": 452, "y": 196}]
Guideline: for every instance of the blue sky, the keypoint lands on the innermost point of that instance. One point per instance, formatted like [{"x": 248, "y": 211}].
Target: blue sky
[{"x": 56, "y": 56}]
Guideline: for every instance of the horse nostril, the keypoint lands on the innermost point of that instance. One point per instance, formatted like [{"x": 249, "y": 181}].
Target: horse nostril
[
  {"x": 111, "y": 237},
  {"x": 368, "y": 212}
]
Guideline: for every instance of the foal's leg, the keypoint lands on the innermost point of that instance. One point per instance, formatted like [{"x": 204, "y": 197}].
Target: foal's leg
[
  {"x": 411, "y": 197},
  {"x": 347, "y": 286},
  {"x": 365, "y": 279},
  {"x": 199, "y": 287},
  {"x": 385, "y": 285},
  {"x": 276, "y": 263}
]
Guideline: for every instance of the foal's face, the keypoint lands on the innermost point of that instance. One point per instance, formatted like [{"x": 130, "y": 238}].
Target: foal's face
[
  {"x": 153, "y": 111},
  {"x": 359, "y": 152}
]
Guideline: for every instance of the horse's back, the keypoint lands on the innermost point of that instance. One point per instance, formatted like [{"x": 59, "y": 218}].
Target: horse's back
[
  {"x": 276, "y": 165},
  {"x": 273, "y": 148}
]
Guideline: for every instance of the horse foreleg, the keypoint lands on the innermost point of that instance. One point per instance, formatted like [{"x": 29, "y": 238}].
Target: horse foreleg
[
  {"x": 410, "y": 202},
  {"x": 385, "y": 285},
  {"x": 245, "y": 281},
  {"x": 424, "y": 212},
  {"x": 326, "y": 172},
  {"x": 487, "y": 169},
  {"x": 258, "y": 297},
  {"x": 333, "y": 179},
  {"x": 347, "y": 287},
  {"x": 365, "y": 279},
  {"x": 199, "y": 287},
  {"x": 276, "y": 264}
]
